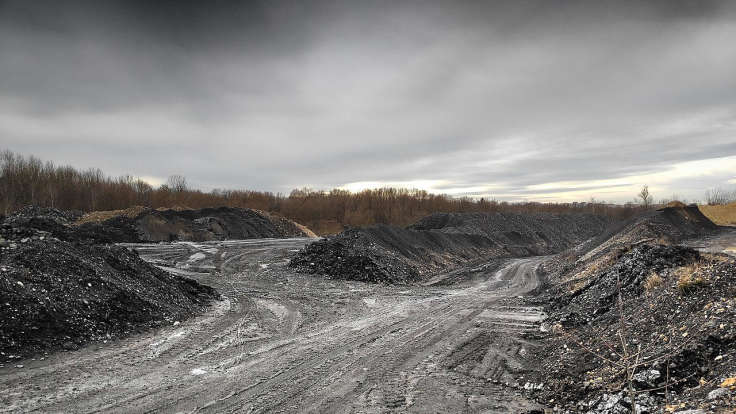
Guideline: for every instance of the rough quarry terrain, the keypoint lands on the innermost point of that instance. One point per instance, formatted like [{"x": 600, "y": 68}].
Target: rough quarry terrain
[
  {"x": 283, "y": 341},
  {"x": 632, "y": 312},
  {"x": 480, "y": 331}
]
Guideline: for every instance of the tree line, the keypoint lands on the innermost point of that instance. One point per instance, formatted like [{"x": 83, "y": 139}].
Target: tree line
[{"x": 27, "y": 180}]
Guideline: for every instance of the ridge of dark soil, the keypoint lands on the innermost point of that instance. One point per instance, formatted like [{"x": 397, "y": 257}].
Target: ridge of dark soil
[
  {"x": 682, "y": 336},
  {"x": 222, "y": 223},
  {"x": 678, "y": 319},
  {"x": 60, "y": 289},
  {"x": 440, "y": 242}
]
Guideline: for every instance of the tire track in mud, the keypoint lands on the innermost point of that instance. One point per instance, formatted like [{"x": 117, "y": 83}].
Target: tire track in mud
[{"x": 296, "y": 343}]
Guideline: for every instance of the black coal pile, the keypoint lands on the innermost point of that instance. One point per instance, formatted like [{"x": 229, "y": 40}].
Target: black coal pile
[
  {"x": 669, "y": 224},
  {"x": 674, "y": 331},
  {"x": 356, "y": 255},
  {"x": 34, "y": 222},
  {"x": 59, "y": 289},
  {"x": 223, "y": 223},
  {"x": 629, "y": 273},
  {"x": 439, "y": 243},
  {"x": 524, "y": 234}
]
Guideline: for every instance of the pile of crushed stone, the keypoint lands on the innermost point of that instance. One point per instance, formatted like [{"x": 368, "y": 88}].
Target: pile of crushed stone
[
  {"x": 60, "y": 290},
  {"x": 679, "y": 313},
  {"x": 223, "y": 223},
  {"x": 440, "y": 242}
]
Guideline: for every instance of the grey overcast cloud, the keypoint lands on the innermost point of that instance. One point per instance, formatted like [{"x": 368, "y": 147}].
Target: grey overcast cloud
[{"x": 517, "y": 100}]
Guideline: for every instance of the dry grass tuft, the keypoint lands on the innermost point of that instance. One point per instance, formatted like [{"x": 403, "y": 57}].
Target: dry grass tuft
[
  {"x": 689, "y": 279},
  {"x": 100, "y": 216},
  {"x": 653, "y": 281}
]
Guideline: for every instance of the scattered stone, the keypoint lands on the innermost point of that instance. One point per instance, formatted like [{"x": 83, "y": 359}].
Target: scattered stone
[{"x": 719, "y": 393}]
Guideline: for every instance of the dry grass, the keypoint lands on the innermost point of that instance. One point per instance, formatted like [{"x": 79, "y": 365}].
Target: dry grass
[
  {"x": 724, "y": 215},
  {"x": 580, "y": 279},
  {"x": 689, "y": 278},
  {"x": 653, "y": 281},
  {"x": 100, "y": 216},
  {"x": 175, "y": 207}
]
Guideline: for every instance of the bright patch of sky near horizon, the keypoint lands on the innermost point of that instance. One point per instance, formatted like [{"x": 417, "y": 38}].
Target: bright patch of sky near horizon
[{"x": 507, "y": 100}]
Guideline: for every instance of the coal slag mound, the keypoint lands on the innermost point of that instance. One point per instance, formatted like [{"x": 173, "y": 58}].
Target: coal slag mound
[{"x": 61, "y": 290}]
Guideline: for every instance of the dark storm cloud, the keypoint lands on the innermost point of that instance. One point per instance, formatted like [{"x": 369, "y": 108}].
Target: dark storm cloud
[{"x": 270, "y": 95}]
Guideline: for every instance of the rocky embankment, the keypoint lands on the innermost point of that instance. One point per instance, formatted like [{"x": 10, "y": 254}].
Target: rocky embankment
[
  {"x": 60, "y": 287},
  {"x": 441, "y": 242},
  {"x": 633, "y": 313},
  {"x": 222, "y": 223}
]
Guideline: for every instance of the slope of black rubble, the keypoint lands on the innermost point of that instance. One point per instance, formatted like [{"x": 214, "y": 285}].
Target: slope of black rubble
[
  {"x": 222, "y": 223},
  {"x": 676, "y": 316},
  {"x": 59, "y": 289},
  {"x": 528, "y": 234},
  {"x": 440, "y": 242},
  {"x": 629, "y": 272},
  {"x": 678, "y": 322}
]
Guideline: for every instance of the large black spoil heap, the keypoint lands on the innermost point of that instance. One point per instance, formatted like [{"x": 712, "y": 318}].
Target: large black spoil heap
[
  {"x": 212, "y": 224},
  {"x": 522, "y": 234},
  {"x": 676, "y": 317},
  {"x": 441, "y": 242},
  {"x": 629, "y": 272},
  {"x": 222, "y": 223},
  {"x": 61, "y": 289},
  {"x": 389, "y": 254}
]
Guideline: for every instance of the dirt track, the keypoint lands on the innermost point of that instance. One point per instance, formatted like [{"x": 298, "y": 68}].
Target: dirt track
[{"x": 286, "y": 342}]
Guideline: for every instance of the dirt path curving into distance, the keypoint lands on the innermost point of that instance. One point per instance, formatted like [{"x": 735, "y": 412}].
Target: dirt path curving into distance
[{"x": 287, "y": 342}]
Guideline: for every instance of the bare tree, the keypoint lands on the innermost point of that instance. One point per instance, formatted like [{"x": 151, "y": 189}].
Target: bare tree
[
  {"x": 177, "y": 183},
  {"x": 719, "y": 196},
  {"x": 645, "y": 197}
]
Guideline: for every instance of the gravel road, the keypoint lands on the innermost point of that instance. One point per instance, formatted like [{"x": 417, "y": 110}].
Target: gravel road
[{"x": 287, "y": 342}]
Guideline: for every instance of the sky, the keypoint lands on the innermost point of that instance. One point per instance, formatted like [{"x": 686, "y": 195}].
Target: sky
[{"x": 516, "y": 100}]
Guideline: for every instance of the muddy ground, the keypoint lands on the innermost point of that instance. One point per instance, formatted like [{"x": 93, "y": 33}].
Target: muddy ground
[{"x": 287, "y": 342}]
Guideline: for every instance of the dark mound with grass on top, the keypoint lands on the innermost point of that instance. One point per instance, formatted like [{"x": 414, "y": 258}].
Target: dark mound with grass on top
[
  {"x": 223, "y": 223},
  {"x": 58, "y": 293},
  {"x": 677, "y": 319}
]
